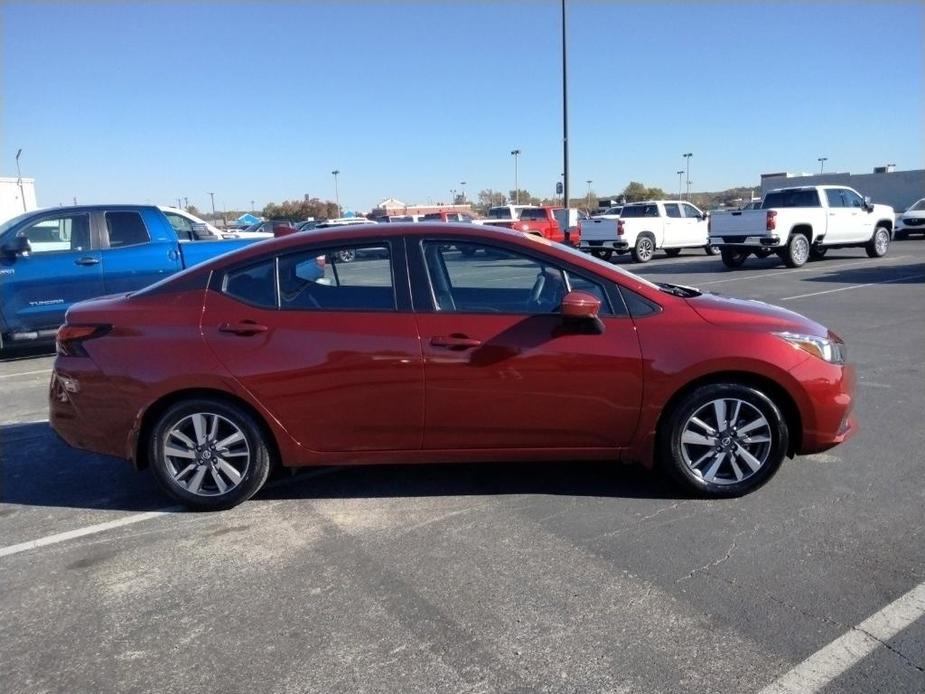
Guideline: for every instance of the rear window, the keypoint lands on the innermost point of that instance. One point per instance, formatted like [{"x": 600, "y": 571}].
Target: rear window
[
  {"x": 640, "y": 211},
  {"x": 499, "y": 213},
  {"x": 791, "y": 198},
  {"x": 532, "y": 214},
  {"x": 126, "y": 229},
  {"x": 432, "y": 217}
]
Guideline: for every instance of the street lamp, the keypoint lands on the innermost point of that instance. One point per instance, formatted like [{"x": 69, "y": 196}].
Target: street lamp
[
  {"x": 252, "y": 207},
  {"x": 680, "y": 173},
  {"x": 452, "y": 196},
  {"x": 687, "y": 162},
  {"x": 336, "y": 190},
  {"x": 516, "y": 153},
  {"x": 565, "y": 198},
  {"x": 22, "y": 195},
  {"x": 463, "y": 193},
  {"x": 212, "y": 195},
  {"x": 589, "y": 194},
  {"x": 822, "y": 161}
]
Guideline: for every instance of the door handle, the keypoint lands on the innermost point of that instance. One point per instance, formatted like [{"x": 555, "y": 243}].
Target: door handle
[
  {"x": 244, "y": 327},
  {"x": 455, "y": 341},
  {"x": 87, "y": 260}
]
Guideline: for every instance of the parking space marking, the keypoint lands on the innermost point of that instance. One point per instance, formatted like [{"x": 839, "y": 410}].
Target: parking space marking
[
  {"x": 82, "y": 532},
  {"x": 26, "y": 373},
  {"x": 772, "y": 275},
  {"x": 823, "y": 666},
  {"x": 853, "y": 286},
  {"x": 136, "y": 518}
]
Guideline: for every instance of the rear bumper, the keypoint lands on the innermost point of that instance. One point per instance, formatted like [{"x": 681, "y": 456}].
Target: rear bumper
[
  {"x": 588, "y": 245},
  {"x": 763, "y": 241}
]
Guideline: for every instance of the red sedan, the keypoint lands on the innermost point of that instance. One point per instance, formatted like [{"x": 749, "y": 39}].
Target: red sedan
[{"x": 439, "y": 343}]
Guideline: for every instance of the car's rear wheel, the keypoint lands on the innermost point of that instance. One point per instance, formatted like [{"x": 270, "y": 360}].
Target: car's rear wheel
[
  {"x": 879, "y": 243},
  {"x": 209, "y": 454},
  {"x": 348, "y": 255},
  {"x": 672, "y": 252},
  {"x": 723, "y": 440},
  {"x": 817, "y": 252},
  {"x": 603, "y": 254},
  {"x": 797, "y": 251},
  {"x": 733, "y": 258},
  {"x": 644, "y": 249},
  {"x": 711, "y": 249}
]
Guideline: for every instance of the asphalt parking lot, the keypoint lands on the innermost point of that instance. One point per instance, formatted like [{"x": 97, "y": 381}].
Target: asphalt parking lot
[{"x": 479, "y": 578}]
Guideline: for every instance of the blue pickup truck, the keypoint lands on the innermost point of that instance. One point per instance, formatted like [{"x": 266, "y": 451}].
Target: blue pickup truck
[{"x": 52, "y": 258}]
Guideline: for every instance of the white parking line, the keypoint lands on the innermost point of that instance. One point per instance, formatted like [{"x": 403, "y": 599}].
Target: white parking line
[
  {"x": 825, "y": 665},
  {"x": 853, "y": 286},
  {"x": 26, "y": 373},
  {"x": 135, "y": 518},
  {"x": 778, "y": 273}
]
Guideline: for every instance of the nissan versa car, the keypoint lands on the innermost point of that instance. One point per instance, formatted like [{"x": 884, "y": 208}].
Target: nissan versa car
[{"x": 424, "y": 350}]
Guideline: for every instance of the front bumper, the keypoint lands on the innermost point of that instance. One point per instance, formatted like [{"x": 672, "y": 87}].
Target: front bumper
[{"x": 827, "y": 409}]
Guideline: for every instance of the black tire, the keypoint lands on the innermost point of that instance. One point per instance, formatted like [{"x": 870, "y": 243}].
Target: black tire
[
  {"x": 234, "y": 420},
  {"x": 797, "y": 251},
  {"x": 763, "y": 253},
  {"x": 879, "y": 243},
  {"x": 603, "y": 254},
  {"x": 710, "y": 249},
  {"x": 672, "y": 252},
  {"x": 644, "y": 248},
  {"x": 722, "y": 469},
  {"x": 348, "y": 255},
  {"x": 817, "y": 252},
  {"x": 733, "y": 258}
]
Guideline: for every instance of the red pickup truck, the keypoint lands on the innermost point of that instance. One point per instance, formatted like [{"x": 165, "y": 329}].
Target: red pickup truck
[{"x": 539, "y": 221}]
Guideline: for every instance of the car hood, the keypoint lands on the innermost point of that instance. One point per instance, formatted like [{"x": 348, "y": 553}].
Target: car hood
[{"x": 730, "y": 312}]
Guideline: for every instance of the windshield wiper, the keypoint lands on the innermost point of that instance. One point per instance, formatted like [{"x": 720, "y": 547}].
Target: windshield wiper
[{"x": 678, "y": 290}]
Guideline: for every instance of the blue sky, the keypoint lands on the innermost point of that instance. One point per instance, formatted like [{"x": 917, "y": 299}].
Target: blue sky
[{"x": 261, "y": 101}]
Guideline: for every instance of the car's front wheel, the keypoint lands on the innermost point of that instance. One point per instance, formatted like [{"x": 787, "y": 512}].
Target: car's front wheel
[
  {"x": 209, "y": 454},
  {"x": 723, "y": 439},
  {"x": 879, "y": 243},
  {"x": 644, "y": 249}
]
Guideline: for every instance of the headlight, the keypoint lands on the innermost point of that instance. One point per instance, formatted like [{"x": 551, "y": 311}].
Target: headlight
[{"x": 826, "y": 348}]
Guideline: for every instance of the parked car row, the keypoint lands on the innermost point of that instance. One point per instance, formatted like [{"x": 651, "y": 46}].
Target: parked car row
[{"x": 797, "y": 224}]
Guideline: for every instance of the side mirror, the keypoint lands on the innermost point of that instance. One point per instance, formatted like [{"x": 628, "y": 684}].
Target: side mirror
[
  {"x": 19, "y": 246},
  {"x": 868, "y": 205},
  {"x": 581, "y": 308}
]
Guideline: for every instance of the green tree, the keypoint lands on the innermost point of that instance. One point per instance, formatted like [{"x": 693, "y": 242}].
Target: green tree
[
  {"x": 298, "y": 210},
  {"x": 489, "y": 198}
]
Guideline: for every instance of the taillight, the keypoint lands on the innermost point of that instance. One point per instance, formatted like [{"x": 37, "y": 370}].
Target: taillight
[
  {"x": 619, "y": 227},
  {"x": 772, "y": 220},
  {"x": 70, "y": 338}
]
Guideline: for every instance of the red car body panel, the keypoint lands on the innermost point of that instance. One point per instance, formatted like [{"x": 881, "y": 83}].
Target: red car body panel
[{"x": 336, "y": 387}]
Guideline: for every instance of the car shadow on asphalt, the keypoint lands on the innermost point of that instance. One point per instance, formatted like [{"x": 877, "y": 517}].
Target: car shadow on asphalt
[
  {"x": 39, "y": 469},
  {"x": 894, "y": 274}
]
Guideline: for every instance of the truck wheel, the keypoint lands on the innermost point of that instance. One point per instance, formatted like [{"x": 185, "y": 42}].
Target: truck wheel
[
  {"x": 722, "y": 440},
  {"x": 710, "y": 249},
  {"x": 209, "y": 454},
  {"x": 644, "y": 249},
  {"x": 603, "y": 255},
  {"x": 672, "y": 252},
  {"x": 879, "y": 243},
  {"x": 817, "y": 252},
  {"x": 733, "y": 258},
  {"x": 348, "y": 255},
  {"x": 797, "y": 252}
]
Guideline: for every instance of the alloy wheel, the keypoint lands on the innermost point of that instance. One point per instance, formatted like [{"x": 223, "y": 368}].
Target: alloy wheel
[
  {"x": 206, "y": 454},
  {"x": 726, "y": 441}
]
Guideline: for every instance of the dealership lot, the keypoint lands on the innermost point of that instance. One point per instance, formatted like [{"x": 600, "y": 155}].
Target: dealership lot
[{"x": 478, "y": 578}]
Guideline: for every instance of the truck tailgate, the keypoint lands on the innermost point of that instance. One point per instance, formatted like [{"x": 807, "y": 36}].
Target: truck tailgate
[
  {"x": 598, "y": 229},
  {"x": 738, "y": 222}
]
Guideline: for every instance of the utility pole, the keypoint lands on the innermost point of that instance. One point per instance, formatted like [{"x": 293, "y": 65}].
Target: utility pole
[
  {"x": 680, "y": 173},
  {"x": 516, "y": 153},
  {"x": 22, "y": 194},
  {"x": 687, "y": 161},
  {"x": 463, "y": 184},
  {"x": 252, "y": 207},
  {"x": 564, "y": 119},
  {"x": 335, "y": 172},
  {"x": 212, "y": 195},
  {"x": 178, "y": 202},
  {"x": 589, "y": 194}
]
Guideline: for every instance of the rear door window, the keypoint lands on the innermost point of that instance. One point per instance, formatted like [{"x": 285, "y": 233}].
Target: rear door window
[
  {"x": 673, "y": 210},
  {"x": 349, "y": 278},
  {"x": 255, "y": 284},
  {"x": 126, "y": 229}
]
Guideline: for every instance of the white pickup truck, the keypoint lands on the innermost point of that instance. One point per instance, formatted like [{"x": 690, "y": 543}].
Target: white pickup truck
[
  {"x": 644, "y": 227},
  {"x": 802, "y": 223}
]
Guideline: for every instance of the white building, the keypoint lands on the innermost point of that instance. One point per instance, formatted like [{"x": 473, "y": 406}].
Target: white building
[{"x": 17, "y": 195}]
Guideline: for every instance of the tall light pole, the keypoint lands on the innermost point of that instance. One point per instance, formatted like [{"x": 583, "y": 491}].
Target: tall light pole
[
  {"x": 186, "y": 201},
  {"x": 252, "y": 207},
  {"x": 565, "y": 197},
  {"x": 589, "y": 194},
  {"x": 452, "y": 196},
  {"x": 463, "y": 184},
  {"x": 22, "y": 194},
  {"x": 212, "y": 195},
  {"x": 178, "y": 202},
  {"x": 336, "y": 190},
  {"x": 516, "y": 153},
  {"x": 687, "y": 166},
  {"x": 680, "y": 173},
  {"x": 822, "y": 161}
]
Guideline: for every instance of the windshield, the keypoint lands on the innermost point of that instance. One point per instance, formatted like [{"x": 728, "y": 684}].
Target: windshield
[
  {"x": 602, "y": 264},
  {"x": 918, "y": 207},
  {"x": 10, "y": 223}
]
